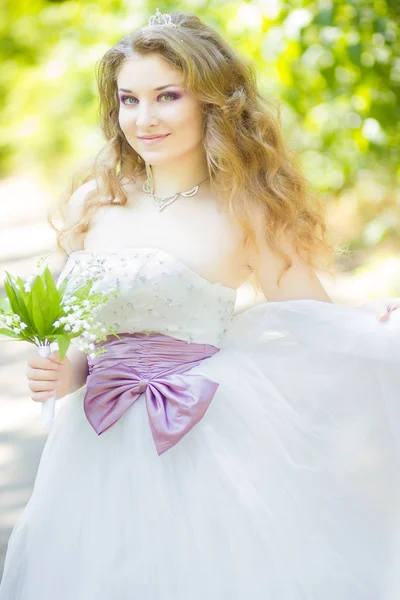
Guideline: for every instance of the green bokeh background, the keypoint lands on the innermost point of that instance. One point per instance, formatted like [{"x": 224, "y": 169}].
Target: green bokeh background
[{"x": 334, "y": 66}]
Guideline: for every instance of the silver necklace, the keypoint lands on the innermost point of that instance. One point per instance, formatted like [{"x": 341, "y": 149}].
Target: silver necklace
[{"x": 163, "y": 201}]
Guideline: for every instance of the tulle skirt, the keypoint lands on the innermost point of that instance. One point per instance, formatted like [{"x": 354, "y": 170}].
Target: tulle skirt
[{"x": 287, "y": 489}]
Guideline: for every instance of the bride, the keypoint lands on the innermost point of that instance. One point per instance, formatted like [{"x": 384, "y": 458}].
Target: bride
[{"x": 209, "y": 454}]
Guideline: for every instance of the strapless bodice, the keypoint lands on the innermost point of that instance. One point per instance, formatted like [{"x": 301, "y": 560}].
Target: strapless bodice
[{"x": 157, "y": 293}]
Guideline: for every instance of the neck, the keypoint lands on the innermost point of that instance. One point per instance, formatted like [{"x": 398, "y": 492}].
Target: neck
[{"x": 169, "y": 179}]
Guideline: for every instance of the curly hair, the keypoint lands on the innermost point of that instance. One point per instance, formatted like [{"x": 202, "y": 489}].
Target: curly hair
[{"x": 257, "y": 173}]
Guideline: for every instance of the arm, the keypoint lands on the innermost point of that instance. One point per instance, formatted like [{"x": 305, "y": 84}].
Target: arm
[{"x": 297, "y": 282}]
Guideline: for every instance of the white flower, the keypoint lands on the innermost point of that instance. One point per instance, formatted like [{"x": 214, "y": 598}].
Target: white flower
[
  {"x": 75, "y": 323},
  {"x": 56, "y": 324},
  {"x": 73, "y": 299},
  {"x": 17, "y": 330},
  {"x": 23, "y": 325},
  {"x": 92, "y": 355},
  {"x": 67, "y": 327},
  {"x": 93, "y": 337},
  {"x": 9, "y": 321}
]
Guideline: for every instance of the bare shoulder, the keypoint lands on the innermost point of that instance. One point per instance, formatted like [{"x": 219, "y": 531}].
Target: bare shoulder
[
  {"x": 76, "y": 202},
  {"x": 74, "y": 212}
]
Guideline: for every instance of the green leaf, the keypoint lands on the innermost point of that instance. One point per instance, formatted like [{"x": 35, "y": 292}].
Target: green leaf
[
  {"x": 53, "y": 296},
  {"x": 17, "y": 302},
  {"x": 9, "y": 333},
  {"x": 23, "y": 298},
  {"x": 30, "y": 313},
  {"x": 63, "y": 344},
  {"x": 4, "y": 304},
  {"x": 83, "y": 290},
  {"x": 21, "y": 285},
  {"x": 8, "y": 288},
  {"x": 62, "y": 288},
  {"x": 39, "y": 306}
]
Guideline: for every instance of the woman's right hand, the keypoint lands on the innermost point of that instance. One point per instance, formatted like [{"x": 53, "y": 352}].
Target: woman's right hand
[{"x": 47, "y": 376}]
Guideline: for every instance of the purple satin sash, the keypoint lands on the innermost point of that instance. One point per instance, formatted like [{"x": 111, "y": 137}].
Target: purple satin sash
[{"x": 156, "y": 365}]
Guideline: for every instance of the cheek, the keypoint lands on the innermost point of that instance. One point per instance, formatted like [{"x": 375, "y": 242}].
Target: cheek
[
  {"x": 190, "y": 119},
  {"x": 126, "y": 121}
]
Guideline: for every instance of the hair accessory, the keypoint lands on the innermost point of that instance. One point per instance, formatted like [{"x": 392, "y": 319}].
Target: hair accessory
[{"x": 161, "y": 20}]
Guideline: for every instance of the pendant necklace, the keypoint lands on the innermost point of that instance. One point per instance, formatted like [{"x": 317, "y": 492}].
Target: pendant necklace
[{"x": 163, "y": 201}]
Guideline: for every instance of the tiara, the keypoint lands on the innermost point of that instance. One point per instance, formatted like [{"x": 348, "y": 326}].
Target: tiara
[{"x": 161, "y": 20}]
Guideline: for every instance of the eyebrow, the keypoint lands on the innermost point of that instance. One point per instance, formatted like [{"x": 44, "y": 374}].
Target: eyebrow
[{"x": 162, "y": 87}]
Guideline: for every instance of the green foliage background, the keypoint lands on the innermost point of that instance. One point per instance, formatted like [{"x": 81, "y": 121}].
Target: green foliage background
[{"x": 334, "y": 66}]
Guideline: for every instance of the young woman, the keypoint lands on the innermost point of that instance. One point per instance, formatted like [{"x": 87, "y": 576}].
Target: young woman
[{"x": 209, "y": 454}]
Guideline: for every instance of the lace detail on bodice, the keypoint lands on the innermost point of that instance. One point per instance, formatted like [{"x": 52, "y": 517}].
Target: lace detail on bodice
[{"x": 157, "y": 294}]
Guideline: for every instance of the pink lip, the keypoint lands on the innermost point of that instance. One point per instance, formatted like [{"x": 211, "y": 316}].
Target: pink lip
[
  {"x": 154, "y": 139},
  {"x": 150, "y": 137}
]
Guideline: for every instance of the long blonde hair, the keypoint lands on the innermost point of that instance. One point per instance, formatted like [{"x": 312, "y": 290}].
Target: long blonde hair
[{"x": 247, "y": 158}]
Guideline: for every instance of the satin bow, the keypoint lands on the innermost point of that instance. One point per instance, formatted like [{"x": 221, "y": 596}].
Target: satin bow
[{"x": 175, "y": 400}]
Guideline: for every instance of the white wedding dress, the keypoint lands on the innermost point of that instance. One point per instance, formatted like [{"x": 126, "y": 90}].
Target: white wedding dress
[{"x": 287, "y": 489}]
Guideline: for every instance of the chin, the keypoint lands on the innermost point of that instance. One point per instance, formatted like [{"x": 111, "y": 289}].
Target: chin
[{"x": 156, "y": 159}]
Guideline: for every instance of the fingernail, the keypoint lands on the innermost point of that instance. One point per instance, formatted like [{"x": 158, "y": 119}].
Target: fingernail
[{"x": 383, "y": 316}]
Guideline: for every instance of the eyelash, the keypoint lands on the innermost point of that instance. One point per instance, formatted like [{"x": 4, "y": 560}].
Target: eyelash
[{"x": 123, "y": 98}]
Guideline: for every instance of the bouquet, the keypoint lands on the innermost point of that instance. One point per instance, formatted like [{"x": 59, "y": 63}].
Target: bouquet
[{"x": 40, "y": 312}]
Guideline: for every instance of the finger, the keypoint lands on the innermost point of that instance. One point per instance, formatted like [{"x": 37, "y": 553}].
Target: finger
[
  {"x": 394, "y": 307},
  {"x": 383, "y": 316},
  {"x": 41, "y": 374},
  {"x": 42, "y": 396},
  {"x": 39, "y": 362},
  {"x": 390, "y": 309},
  {"x": 55, "y": 357},
  {"x": 42, "y": 386}
]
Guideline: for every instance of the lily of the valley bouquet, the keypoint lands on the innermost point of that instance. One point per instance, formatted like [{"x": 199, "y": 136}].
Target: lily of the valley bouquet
[{"x": 38, "y": 311}]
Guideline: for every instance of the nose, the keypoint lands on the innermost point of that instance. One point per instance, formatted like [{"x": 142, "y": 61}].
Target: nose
[{"x": 145, "y": 116}]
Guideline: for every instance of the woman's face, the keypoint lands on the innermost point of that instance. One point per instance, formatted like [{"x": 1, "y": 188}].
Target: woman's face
[{"x": 153, "y": 102}]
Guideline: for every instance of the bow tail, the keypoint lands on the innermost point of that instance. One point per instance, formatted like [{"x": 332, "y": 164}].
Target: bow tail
[{"x": 106, "y": 401}]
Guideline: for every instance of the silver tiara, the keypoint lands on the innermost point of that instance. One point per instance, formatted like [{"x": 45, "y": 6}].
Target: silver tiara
[{"x": 160, "y": 20}]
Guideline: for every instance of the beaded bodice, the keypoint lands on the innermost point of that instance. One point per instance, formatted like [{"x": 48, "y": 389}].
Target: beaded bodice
[{"x": 157, "y": 293}]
